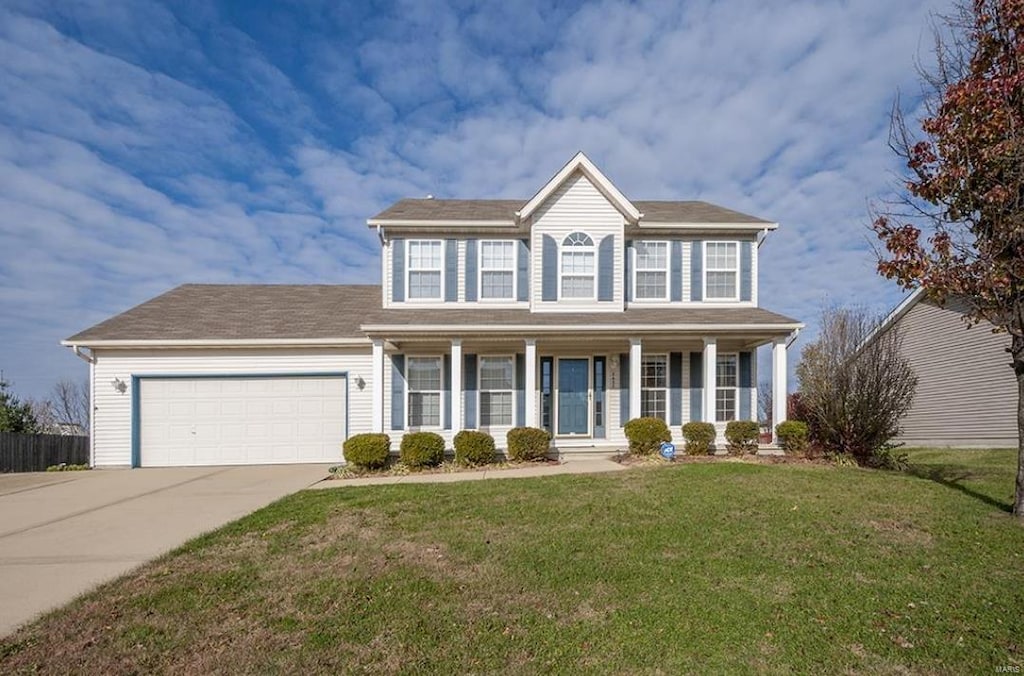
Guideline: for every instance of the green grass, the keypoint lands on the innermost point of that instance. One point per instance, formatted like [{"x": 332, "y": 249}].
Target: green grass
[{"x": 693, "y": 567}]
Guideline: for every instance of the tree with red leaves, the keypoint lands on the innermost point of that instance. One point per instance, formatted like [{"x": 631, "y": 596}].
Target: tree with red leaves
[{"x": 957, "y": 229}]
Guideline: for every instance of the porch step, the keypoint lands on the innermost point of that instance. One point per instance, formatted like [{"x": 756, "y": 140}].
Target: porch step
[{"x": 587, "y": 452}]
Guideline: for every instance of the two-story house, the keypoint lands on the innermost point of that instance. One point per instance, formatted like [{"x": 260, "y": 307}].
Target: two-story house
[{"x": 575, "y": 311}]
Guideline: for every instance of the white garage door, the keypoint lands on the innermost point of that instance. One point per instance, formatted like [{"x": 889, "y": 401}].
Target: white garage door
[{"x": 240, "y": 421}]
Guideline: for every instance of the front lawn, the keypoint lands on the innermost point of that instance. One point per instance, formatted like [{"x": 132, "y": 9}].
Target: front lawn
[{"x": 693, "y": 567}]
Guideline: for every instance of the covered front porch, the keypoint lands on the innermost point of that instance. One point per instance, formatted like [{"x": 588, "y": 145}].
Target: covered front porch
[{"x": 582, "y": 386}]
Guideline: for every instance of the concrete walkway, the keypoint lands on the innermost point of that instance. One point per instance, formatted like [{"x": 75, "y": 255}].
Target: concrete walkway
[
  {"x": 63, "y": 534},
  {"x": 569, "y": 466}
]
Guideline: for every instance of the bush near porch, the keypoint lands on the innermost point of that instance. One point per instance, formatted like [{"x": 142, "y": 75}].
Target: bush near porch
[
  {"x": 527, "y": 443},
  {"x": 646, "y": 435},
  {"x": 699, "y": 437},
  {"x": 368, "y": 451},
  {"x": 742, "y": 436},
  {"x": 473, "y": 448},
  {"x": 422, "y": 449}
]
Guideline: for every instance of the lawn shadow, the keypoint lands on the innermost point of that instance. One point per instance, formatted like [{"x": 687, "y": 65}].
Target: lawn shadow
[{"x": 954, "y": 476}]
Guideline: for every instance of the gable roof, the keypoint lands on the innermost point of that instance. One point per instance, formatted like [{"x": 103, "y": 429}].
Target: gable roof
[
  {"x": 581, "y": 163},
  {"x": 319, "y": 314}
]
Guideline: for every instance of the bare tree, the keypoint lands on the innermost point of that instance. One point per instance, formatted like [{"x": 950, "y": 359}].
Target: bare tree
[
  {"x": 70, "y": 403},
  {"x": 855, "y": 384}
]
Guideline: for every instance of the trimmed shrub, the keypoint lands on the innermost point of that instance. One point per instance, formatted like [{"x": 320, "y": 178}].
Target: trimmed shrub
[
  {"x": 742, "y": 436},
  {"x": 422, "y": 449},
  {"x": 474, "y": 448},
  {"x": 792, "y": 436},
  {"x": 646, "y": 435},
  {"x": 528, "y": 443},
  {"x": 367, "y": 450},
  {"x": 699, "y": 436}
]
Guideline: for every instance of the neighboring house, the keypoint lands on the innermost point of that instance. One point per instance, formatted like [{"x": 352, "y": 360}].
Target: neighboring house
[
  {"x": 966, "y": 390},
  {"x": 574, "y": 311}
]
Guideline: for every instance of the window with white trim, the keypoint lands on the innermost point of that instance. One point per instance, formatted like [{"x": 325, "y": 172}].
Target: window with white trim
[
  {"x": 423, "y": 375},
  {"x": 651, "y": 273},
  {"x": 497, "y": 389},
  {"x": 654, "y": 385},
  {"x": 577, "y": 266},
  {"x": 497, "y": 269},
  {"x": 424, "y": 269},
  {"x": 722, "y": 271},
  {"x": 726, "y": 384}
]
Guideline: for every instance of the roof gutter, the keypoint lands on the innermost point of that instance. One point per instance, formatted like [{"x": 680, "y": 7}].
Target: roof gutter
[
  {"x": 584, "y": 328},
  {"x": 90, "y": 358},
  {"x": 229, "y": 342}
]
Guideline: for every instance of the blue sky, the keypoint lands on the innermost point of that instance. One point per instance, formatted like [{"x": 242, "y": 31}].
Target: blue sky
[{"x": 144, "y": 144}]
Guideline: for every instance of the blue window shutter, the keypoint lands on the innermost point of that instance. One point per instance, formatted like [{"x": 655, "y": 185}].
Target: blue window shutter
[
  {"x": 606, "y": 268},
  {"x": 675, "y": 383},
  {"x": 746, "y": 270},
  {"x": 623, "y": 388},
  {"x": 451, "y": 270},
  {"x": 745, "y": 385},
  {"x": 627, "y": 282},
  {"x": 469, "y": 394},
  {"x": 520, "y": 383},
  {"x": 697, "y": 271},
  {"x": 549, "y": 269},
  {"x": 397, "y": 391},
  {"x": 471, "y": 281},
  {"x": 600, "y": 422},
  {"x": 523, "y": 282},
  {"x": 446, "y": 378},
  {"x": 676, "y": 281},
  {"x": 696, "y": 386},
  {"x": 397, "y": 270}
]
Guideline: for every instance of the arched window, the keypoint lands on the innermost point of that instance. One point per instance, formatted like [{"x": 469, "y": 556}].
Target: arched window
[{"x": 577, "y": 266}]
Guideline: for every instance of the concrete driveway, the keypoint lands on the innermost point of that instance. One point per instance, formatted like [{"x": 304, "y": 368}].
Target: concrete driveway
[{"x": 62, "y": 534}]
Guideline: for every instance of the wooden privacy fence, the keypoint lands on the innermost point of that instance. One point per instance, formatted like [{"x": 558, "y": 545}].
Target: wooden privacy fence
[{"x": 36, "y": 452}]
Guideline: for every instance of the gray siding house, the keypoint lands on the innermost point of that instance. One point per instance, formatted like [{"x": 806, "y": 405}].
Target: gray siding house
[{"x": 966, "y": 391}]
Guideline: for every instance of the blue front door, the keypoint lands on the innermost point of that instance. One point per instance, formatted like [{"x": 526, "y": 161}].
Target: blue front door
[{"x": 573, "y": 396}]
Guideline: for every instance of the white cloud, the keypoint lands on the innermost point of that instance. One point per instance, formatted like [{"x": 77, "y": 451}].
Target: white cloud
[{"x": 143, "y": 145}]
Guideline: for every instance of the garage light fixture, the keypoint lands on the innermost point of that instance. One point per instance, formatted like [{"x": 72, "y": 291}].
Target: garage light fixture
[{"x": 119, "y": 385}]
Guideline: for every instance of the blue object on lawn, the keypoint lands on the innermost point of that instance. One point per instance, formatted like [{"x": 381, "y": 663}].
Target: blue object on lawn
[{"x": 668, "y": 451}]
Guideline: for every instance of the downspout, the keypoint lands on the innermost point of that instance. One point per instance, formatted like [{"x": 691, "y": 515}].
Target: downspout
[
  {"x": 792, "y": 338},
  {"x": 761, "y": 237}
]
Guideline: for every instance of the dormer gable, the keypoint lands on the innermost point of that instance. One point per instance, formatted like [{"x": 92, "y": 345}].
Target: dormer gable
[{"x": 581, "y": 163}]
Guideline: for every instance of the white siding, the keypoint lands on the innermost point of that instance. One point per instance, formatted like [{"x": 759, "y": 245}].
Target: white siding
[
  {"x": 966, "y": 392},
  {"x": 113, "y": 412},
  {"x": 385, "y": 279},
  {"x": 576, "y": 205}
]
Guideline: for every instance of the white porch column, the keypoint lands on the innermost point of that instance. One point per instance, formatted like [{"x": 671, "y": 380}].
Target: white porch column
[
  {"x": 457, "y": 384},
  {"x": 710, "y": 378},
  {"x": 779, "y": 389},
  {"x": 530, "y": 386},
  {"x": 635, "y": 353},
  {"x": 377, "y": 386}
]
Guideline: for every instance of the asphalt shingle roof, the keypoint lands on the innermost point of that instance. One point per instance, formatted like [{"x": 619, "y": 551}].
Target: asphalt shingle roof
[
  {"x": 260, "y": 312},
  {"x": 692, "y": 211}
]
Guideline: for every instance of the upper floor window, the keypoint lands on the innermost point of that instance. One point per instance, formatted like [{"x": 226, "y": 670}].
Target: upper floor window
[
  {"x": 497, "y": 269},
  {"x": 577, "y": 263},
  {"x": 424, "y": 378},
  {"x": 722, "y": 276},
  {"x": 726, "y": 381},
  {"x": 651, "y": 270},
  {"x": 425, "y": 269}
]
